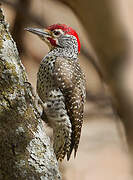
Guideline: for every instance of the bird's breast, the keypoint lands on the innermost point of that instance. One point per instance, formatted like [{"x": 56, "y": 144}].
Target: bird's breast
[{"x": 45, "y": 82}]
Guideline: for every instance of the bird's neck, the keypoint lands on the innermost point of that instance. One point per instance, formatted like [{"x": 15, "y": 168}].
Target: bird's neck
[{"x": 66, "y": 52}]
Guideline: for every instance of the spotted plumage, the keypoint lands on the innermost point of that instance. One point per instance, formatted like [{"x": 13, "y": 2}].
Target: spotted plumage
[{"x": 61, "y": 87}]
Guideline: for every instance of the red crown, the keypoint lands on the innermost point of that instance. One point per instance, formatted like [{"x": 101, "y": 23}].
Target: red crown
[{"x": 67, "y": 30}]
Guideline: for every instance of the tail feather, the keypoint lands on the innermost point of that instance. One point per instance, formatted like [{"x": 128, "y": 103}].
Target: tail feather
[{"x": 71, "y": 147}]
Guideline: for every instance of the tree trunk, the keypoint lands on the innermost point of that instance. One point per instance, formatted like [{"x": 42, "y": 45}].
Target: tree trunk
[{"x": 25, "y": 151}]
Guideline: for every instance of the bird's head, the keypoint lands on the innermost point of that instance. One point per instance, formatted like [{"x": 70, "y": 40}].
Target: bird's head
[{"x": 58, "y": 35}]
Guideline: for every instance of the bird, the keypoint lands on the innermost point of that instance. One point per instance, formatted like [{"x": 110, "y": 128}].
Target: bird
[{"x": 61, "y": 87}]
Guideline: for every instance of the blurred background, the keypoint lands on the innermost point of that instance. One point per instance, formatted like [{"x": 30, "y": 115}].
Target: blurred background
[{"x": 102, "y": 153}]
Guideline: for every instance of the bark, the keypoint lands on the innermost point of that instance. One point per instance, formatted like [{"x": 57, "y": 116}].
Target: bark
[
  {"x": 109, "y": 40},
  {"x": 25, "y": 151}
]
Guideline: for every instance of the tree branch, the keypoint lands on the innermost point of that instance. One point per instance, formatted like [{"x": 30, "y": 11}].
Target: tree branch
[{"x": 19, "y": 24}]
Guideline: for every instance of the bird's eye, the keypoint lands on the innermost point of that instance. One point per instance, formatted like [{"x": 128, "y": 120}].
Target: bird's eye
[{"x": 56, "y": 33}]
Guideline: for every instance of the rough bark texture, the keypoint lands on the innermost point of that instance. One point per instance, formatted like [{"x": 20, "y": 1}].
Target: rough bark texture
[
  {"x": 25, "y": 151},
  {"x": 107, "y": 35}
]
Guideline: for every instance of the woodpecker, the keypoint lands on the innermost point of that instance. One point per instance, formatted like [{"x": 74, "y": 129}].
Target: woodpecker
[{"x": 61, "y": 87}]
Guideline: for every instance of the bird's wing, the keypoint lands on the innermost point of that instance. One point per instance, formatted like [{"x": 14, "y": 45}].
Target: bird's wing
[{"x": 71, "y": 81}]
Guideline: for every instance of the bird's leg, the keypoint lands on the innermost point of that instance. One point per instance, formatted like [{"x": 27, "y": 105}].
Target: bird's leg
[{"x": 44, "y": 117}]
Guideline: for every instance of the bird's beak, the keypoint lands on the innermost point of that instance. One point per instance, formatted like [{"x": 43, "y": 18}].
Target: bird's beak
[{"x": 44, "y": 33}]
